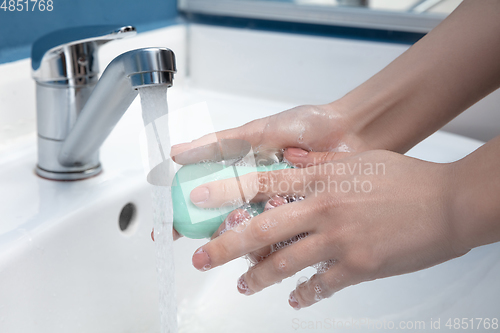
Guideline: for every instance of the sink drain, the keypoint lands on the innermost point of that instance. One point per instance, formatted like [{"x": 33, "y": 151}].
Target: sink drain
[{"x": 127, "y": 217}]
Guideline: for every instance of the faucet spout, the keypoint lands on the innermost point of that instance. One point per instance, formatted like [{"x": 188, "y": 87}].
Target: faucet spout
[
  {"x": 75, "y": 110},
  {"x": 111, "y": 97}
]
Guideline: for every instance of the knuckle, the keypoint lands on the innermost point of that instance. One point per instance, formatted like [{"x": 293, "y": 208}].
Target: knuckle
[
  {"x": 281, "y": 266},
  {"x": 220, "y": 253},
  {"x": 266, "y": 182},
  {"x": 225, "y": 187},
  {"x": 324, "y": 205},
  {"x": 259, "y": 230},
  {"x": 304, "y": 293},
  {"x": 262, "y": 181},
  {"x": 317, "y": 289}
]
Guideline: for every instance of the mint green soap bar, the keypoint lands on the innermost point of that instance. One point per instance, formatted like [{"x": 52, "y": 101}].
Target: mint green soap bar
[{"x": 194, "y": 222}]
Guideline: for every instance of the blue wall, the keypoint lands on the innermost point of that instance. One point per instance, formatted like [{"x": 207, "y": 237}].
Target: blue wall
[{"x": 19, "y": 29}]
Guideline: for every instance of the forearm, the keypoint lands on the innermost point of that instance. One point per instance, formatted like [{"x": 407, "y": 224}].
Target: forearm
[
  {"x": 440, "y": 76},
  {"x": 476, "y": 192}
]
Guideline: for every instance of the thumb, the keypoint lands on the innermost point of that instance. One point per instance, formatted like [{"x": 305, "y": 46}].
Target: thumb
[
  {"x": 302, "y": 158},
  {"x": 209, "y": 146}
]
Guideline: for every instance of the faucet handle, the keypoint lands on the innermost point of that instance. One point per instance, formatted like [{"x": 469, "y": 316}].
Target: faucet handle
[{"x": 69, "y": 56}]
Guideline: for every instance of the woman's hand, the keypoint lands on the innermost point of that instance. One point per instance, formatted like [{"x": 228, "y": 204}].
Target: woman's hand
[
  {"x": 311, "y": 129},
  {"x": 368, "y": 216},
  {"x": 306, "y": 135}
]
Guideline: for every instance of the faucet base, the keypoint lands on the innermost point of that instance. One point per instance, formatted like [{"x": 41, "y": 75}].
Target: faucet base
[{"x": 68, "y": 176}]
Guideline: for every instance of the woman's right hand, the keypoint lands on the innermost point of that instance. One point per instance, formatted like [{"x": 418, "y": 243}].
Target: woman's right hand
[{"x": 389, "y": 221}]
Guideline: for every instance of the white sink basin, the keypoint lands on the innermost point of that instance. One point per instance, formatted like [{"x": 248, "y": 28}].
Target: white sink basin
[{"x": 65, "y": 265}]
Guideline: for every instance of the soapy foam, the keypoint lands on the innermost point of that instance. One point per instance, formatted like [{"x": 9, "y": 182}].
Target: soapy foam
[
  {"x": 324, "y": 266},
  {"x": 317, "y": 289},
  {"x": 281, "y": 245},
  {"x": 243, "y": 219}
]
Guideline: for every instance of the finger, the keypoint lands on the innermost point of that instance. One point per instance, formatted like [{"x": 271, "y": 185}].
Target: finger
[
  {"x": 253, "y": 187},
  {"x": 231, "y": 221},
  {"x": 219, "y": 150},
  {"x": 260, "y": 254},
  {"x": 207, "y": 147},
  {"x": 263, "y": 230},
  {"x": 320, "y": 286},
  {"x": 281, "y": 264},
  {"x": 239, "y": 216},
  {"x": 302, "y": 158},
  {"x": 236, "y": 217}
]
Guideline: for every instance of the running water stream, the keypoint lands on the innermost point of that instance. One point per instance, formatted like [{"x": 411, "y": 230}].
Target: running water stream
[{"x": 154, "y": 107}]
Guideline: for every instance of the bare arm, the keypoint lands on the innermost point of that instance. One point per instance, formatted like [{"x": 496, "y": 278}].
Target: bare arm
[
  {"x": 477, "y": 196},
  {"x": 444, "y": 73},
  {"x": 447, "y": 71}
]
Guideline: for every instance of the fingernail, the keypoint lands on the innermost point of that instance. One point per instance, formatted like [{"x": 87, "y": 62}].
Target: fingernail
[
  {"x": 153, "y": 234},
  {"x": 201, "y": 260},
  {"x": 243, "y": 286},
  {"x": 293, "y": 301},
  {"x": 274, "y": 202},
  {"x": 199, "y": 195},
  {"x": 297, "y": 152}
]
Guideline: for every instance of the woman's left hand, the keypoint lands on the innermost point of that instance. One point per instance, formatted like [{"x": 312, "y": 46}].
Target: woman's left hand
[{"x": 369, "y": 216}]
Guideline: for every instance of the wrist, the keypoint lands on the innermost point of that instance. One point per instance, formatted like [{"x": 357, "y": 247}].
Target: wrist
[
  {"x": 475, "y": 203},
  {"x": 456, "y": 216},
  {"x": 373, "y": 119},
  {"x": 342, "y": 117}
]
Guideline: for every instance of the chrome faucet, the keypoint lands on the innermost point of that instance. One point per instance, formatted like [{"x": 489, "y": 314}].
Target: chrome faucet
[{"x": 75, "y": 110}]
